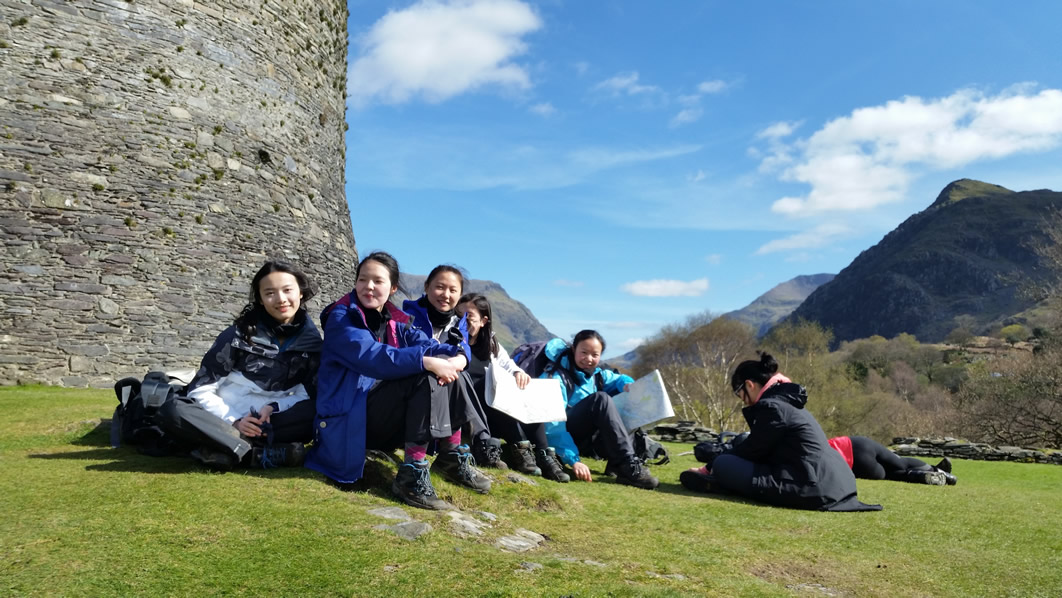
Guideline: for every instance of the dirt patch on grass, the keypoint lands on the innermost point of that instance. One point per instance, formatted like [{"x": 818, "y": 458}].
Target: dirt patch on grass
[{"x": 811, "y": 579}]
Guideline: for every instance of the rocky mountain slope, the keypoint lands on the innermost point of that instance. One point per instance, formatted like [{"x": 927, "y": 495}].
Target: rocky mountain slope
[
  {"x": 771, "y": 307},
  {"x": 971, "y": 253}
]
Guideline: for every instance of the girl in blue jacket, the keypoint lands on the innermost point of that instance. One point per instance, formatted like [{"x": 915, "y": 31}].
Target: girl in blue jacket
[
  {"x": 435, "y": 314},
  {"x": 382, "y": 384},
  {"x": 588, "y": 391}
]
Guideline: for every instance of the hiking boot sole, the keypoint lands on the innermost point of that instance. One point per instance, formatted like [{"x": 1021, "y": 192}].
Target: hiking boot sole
[{"x": 420, "y": 502}]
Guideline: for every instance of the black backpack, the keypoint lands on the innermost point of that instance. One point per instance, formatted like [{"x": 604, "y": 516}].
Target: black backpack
[
  {"x": 134, "y": 421},
  {"x": 647, "y": 449},
  {"x": 707, "y": 451}
]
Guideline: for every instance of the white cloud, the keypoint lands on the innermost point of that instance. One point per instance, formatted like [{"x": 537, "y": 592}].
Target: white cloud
[
  {"x": 437, "y": 49},
  {"x": 581, "y": 67},
  {"x": 714, "y": 86},
  {"x": 625, "y": 83},
  {"x": 561, "y": 282},
  {"x": 667, "y": 288},
  {"x": 821, "y": 235},
  {"x": 686, "y": 116},
  {"x": 543, "y": 109},
  {"x": 870, "y": 157},
  {"x": 599, "y": 159},
  {"x": 696, "y": 177},
  {"x": 714, "y": 259},
  {"x": 778, "y": 130}
]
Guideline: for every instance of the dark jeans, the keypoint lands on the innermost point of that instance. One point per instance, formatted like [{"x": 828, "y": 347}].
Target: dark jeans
[
  {"x": 873, "y": 461},
  {"x": 191, "y": 426},
  {"x": 734, "y": 474},
  {"x": 414, "y": 410},
  {"x": 597, "y": 414}
]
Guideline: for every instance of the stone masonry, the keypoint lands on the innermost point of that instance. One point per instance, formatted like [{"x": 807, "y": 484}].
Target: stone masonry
[{"x": 153, "y": 153}]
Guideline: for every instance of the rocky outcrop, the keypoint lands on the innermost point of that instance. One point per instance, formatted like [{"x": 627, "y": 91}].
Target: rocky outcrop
[
  {"x": 152, "y": 155},
  {"x": 960, "y": 449}
]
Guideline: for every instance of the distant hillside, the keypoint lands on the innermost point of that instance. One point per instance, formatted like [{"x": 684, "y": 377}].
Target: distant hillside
[
  {"x": 969, "y": 253},
  {"x": 514, "y": 323},
  {"x": 769, "y": 308}
]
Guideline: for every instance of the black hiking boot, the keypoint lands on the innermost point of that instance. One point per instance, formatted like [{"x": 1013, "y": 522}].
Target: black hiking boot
[
  {"x": 929, "y": 476},
  {"x": 216, "y": 460},
  {"x": 551, "y": 467},
  {"x": 488, "y": 453},
  {"x": 458, "y": 466},
  {"x": 412, "y": 486},
  {"x": 633, "y": 473},
  {"x": 698, "y": 481},
  {"x": 944, "y": 465},
  {"x": 522, "y": 458},
  {"x": 284, "y": 454}
]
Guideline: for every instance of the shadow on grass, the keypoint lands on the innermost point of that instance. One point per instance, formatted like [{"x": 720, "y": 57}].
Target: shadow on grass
[{"x": 679, "y": 489}]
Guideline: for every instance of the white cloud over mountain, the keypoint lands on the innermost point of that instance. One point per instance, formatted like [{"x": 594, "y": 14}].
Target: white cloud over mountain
[{"x": 667, "y": 288}]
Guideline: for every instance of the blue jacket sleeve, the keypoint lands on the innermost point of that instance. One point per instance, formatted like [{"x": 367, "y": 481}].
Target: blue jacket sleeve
[
  {"x": 557, "y": 432},
  {"x": 217, "y": 362},
  {"x": 356, "y": 349},
  {"x": 614, "y": 381}
]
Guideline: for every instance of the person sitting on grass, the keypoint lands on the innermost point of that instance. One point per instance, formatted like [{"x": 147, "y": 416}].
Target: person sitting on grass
[
  {"x": 528, "y": 449},
  {"x": 871, "y": 460},
  {"x": 384, "y": 384},
  {"x": 434, "y": 313},
  {"x": 786, "y": 460},
  {"x": 252, "y": 400},
  {"x": 588, "y": 391}
]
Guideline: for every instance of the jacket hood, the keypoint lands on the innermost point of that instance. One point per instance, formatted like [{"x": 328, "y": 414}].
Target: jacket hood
[
  {"x": 790, "y": 392},
  {"x": 306, "y": 336}
]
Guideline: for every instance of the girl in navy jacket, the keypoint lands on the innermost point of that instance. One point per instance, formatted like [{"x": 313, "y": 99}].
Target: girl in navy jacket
[
  {"x": 383, "y": 384},
  {"x": 251, "y": 401}
]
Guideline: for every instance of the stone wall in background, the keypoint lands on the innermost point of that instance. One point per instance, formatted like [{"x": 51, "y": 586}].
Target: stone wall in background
[
  {"x": 153, "y": 153},
  {"x": 690, "y": 432}
]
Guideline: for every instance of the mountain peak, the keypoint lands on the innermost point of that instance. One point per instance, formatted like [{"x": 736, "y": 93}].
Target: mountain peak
[{"x": 964, "y": 188}]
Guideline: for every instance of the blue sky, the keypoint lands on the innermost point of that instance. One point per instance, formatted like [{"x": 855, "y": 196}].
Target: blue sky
[{"x": 623, "y": 165}]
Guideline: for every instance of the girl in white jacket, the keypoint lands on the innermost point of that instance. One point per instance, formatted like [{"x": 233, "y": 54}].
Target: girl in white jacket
[{"x": 527, "y": 449}]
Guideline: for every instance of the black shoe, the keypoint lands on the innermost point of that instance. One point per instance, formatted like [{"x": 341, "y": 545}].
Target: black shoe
[
  {"x": 697, "y": 481},
  {"x": 284, "y": 454},
  {"x": 551, "y": 467},
  {"x": 930, "y": 476},
  {"x": 412, "y": 486},
  {"x": 488, "y": 453},
  {"x": 950, "y": 479},
  {"x": 944, "y": 465},
  {"x": 522, "y": 458},
  {"x": 216, "y": 460},
  {"x": 458, "y": 466},
  {"x": 633, "y": 473}
]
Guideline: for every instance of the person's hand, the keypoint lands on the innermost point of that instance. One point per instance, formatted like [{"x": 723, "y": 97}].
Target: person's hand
[
  {"x": 582, "y": 472},
  {"x": 522, "y": 380},
  {"x": 264, "y": 413},
  {"x": 459, "y": 361},
  {"x": 443, "y": 369},
  {"x": 248, "y": 425},
  {"x": 626, "y": 387}
]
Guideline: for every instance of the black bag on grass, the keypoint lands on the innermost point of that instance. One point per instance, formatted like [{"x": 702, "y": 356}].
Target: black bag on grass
[{"x": 134, "y": 421}]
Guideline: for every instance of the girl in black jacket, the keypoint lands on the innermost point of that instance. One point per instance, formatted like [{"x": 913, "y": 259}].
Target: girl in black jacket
[
  {"x": 786, "y": 460},
  {"x": 252, "y": 400}
]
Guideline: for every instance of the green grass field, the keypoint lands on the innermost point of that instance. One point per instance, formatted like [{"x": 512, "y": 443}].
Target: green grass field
[{"x": 84, "y": 519}]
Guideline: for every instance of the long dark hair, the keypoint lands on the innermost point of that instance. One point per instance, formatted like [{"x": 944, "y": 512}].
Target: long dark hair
[
  {"x": 759, "y": 371},
  {"x": 487, "y": 331},
  {"x": 247, "y": 320}
]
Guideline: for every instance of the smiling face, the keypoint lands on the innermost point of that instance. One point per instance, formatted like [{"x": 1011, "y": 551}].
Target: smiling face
[
  {"x": 374, "y": 286},
  {"x": 280, "y": 296},
  {"x": 588, "y": 354},
  {"x": 443, "y": 291}
]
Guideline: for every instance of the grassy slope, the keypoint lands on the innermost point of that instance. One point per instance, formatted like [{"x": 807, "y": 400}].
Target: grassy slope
[{"x": 83, "y": 519}]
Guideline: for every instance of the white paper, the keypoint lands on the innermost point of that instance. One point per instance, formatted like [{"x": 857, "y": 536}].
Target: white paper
[
  {"x": 540, "y": 401},
  {"x": 645, "y": 403}
]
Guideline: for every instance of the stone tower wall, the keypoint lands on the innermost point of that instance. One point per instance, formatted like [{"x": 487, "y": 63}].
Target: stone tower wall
[{"x": 153, "y": 153}]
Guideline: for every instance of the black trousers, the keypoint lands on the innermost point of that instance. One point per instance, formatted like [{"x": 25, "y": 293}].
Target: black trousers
[
  {"x": 873, "y": 461},
  {"x": 414, "y": 410},
  {"x": 191, "y": 426},
  {"x": 596, "y": 427}
]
